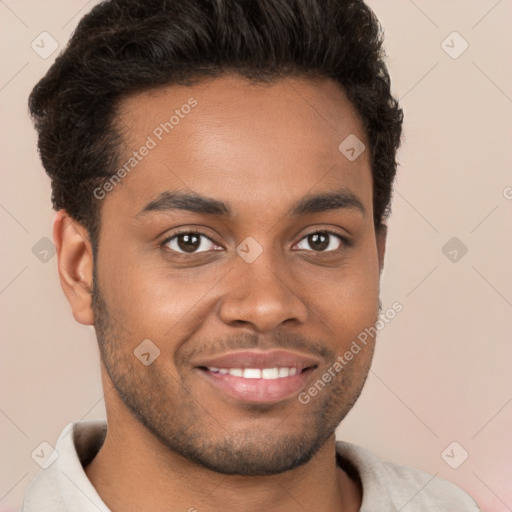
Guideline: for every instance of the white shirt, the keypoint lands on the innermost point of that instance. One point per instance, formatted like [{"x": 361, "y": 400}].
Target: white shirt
[{"x": 387, "y": 487}]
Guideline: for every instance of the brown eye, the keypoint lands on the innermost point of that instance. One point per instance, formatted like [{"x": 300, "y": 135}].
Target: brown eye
[
  {"x": 321, "y": 241},
  {"x": 190, "y": 243}
]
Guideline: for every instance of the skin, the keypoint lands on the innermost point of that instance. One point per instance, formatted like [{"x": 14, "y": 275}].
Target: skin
[{"x": 173, "y": 439}]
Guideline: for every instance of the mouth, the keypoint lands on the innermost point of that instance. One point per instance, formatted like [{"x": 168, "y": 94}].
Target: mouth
[{"x": 259, "y": 377}]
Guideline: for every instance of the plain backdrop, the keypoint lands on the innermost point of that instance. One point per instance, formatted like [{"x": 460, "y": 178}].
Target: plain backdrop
[{"x": 440, "y": 388}]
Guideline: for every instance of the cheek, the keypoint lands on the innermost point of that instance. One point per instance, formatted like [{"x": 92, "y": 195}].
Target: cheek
[
  {"x": 347, "y": 300},
  {"x": 152, "y": 301}
]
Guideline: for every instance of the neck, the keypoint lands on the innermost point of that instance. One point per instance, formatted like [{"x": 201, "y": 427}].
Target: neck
[{"x": 134, "y": 471}]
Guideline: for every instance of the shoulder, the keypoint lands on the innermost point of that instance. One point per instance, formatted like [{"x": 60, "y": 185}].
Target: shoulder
[
  {"x": 63, "y": 481},
  {"x": 396, "y": 486},
  {"x": 43, "y": 494}
]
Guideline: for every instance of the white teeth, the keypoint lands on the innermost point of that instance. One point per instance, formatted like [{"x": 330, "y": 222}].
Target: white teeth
[
  {"x": 256, "y": 373},
  {"x": 270, "y": 373},
  {"x": 252, "y": 373}
]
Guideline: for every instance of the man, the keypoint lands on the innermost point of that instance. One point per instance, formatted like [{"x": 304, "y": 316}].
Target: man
[{"x": 222, "y": 171}]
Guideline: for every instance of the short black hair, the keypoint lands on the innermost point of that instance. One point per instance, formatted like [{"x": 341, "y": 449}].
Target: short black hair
[{"x": 126, "y": 46}]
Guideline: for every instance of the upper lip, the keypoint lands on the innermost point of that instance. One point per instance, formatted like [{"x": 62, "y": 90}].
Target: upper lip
[{"x": 260, "y": 359}]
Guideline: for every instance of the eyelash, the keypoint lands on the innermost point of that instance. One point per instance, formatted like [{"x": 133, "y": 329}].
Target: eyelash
[{"x": 345, "y": 241}]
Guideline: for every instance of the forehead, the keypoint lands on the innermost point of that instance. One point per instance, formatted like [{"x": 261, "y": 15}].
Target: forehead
[{"x": 243, "y": 142}]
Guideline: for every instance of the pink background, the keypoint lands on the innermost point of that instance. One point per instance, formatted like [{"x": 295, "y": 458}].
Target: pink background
[{"x": 442, "y": 369}]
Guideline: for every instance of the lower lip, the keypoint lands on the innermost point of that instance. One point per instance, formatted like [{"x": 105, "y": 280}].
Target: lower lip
[{"x": 258, "y": 390}]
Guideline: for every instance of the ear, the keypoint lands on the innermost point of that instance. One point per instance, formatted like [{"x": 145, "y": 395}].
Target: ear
[
  {"x": 380, "y": 234},
  {"x": 75, "y": 263}
]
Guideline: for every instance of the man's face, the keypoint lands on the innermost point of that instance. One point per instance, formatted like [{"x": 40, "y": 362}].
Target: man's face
[{"x": 250, "y": 296}]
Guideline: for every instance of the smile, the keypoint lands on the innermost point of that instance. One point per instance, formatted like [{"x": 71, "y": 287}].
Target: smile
[
  {"x": 257, "y": 373},
  {"x": 258, "y": 376}
]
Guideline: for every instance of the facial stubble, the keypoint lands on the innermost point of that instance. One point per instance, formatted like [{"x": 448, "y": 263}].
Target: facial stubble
[{"x": 185, "y": 425}]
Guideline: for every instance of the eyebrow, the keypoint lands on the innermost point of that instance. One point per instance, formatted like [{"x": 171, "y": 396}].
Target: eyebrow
[
  {"x": 337, "y": 200},
  {"x": 192, "y": 202},
  {"x": 186, "y": 201}
]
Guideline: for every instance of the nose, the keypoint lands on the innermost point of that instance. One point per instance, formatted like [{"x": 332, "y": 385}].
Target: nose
[{"x": 262, "y": 295}]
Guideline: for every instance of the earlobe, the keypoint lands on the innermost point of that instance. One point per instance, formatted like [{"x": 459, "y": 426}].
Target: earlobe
[{"x": 75, "y": 264}]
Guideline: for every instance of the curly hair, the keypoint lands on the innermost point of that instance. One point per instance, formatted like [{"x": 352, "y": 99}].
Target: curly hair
[{"x": 127, "y": 46}]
